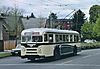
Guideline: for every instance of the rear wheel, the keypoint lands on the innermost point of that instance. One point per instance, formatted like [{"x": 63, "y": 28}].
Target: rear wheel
[{"x": 75, "y": 50}]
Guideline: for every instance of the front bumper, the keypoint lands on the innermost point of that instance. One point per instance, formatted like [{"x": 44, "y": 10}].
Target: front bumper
[{"x": 16, "y": 52}]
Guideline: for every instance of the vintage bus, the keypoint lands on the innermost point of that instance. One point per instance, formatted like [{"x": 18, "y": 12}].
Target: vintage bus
[{"x": 46, "y": 42}]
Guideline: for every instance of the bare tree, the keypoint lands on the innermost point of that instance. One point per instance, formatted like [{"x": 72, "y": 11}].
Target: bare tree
[
  {"x": 42, "y": 21},
  {"x": 11, "y": 11}
]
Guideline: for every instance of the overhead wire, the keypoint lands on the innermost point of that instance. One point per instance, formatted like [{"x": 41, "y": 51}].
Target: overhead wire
[{"x": 50, "y": 3}]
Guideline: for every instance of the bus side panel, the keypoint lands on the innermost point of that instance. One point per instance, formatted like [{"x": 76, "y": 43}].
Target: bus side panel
[{"x": 47, "y": 50}]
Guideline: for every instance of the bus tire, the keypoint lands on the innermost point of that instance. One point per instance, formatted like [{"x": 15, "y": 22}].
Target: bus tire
[
  {"x": 57, "y": 53},
  {"x": 75, "y": 50},
  {"x": 31, "y": 58}
]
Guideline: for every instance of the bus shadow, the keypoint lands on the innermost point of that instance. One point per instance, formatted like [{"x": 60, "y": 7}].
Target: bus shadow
[{"x": 51, "y": 59}]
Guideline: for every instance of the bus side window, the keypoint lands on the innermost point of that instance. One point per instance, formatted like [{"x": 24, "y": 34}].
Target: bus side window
[
  {"x": 45, "y": 37},
  {"x": 61, "y": 39},
  {"x": 67, "y": 38},
  {"x": 75, "y": 38},
  {"x": 64, "y": 38},
  {"x": 78, "y": 38},
  {"x": 50, "y": 37},
  {"x": 71, "y": 38},
  {"x": 57, "y": 38}
]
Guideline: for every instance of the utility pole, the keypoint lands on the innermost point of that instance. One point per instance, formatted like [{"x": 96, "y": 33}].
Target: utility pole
[
  {"x": 15, "y": 22},
  {"x": 76, "y": 21},
  {"x": 51, "y": 22}
]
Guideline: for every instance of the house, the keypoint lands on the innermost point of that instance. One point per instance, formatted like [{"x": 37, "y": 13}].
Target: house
[
  {"x": 33, "y": 22},
  {"x": 4, "y": 34},
  {"x": 15, "y": 26},
  {"x": 10, "y": 29},
  {"x": 60, "y": 23}
]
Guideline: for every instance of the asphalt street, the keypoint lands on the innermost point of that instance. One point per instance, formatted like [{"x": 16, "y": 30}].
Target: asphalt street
[{"x": 86, "y": 59}]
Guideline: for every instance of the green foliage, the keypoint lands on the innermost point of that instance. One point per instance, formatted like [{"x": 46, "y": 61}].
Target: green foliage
[
  {"x": 78, "y": 20},
  {"x": 87, "y": 30},
  {"x": 90, "y": 45},
  {"x": 94, "y": 11},
  {"x": 96, "y": 27}
]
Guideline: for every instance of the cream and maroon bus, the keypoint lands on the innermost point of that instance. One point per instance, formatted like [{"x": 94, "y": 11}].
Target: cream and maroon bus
[{"x": 46, "y": 42}]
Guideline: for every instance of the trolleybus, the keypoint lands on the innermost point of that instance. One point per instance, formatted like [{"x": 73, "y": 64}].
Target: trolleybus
[{"x": 46, "y": 42}]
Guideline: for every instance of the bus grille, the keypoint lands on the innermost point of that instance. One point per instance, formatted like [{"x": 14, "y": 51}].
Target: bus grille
[{"x": 31, "y": 51}]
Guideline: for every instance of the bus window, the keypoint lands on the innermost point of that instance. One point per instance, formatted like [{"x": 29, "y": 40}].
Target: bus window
[
  {"x": 71, "y": 38},
  {"x": 60, "y": 38},
  {"x": 50, "y": 37},
  {"x": 67, "y": 38},
  {"x": 23, "y": 39},
  {"x": 45, "y": 37},
  {"x": 36, "y": 38},
  {"x": 75, "y": 38},
  {"x": 26, "y": 38},
  {"x": 64, "y": 38},
  {"x": 57, "y": 38}
]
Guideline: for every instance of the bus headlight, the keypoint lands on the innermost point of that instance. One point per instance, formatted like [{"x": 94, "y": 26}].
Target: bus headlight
[
  {"x": 40, "y": 51},
  {"x": 23, "y": 49}
]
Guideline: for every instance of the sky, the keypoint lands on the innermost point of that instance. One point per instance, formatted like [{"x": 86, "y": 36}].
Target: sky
[{"x": 42, "y": 8}]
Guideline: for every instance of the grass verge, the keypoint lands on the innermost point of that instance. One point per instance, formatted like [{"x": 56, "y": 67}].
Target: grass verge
[{"x": 2, "y": 55}]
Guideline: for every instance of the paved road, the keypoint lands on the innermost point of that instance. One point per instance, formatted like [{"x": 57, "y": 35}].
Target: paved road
[{"x": 87, "y": 59}]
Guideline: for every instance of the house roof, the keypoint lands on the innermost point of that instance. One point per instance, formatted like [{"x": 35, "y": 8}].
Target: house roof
[
  {"x": 12, "y": 21},
  {"x": 33, "y": 22},
  {"x": 61, "y": 20},
  {"x": 3, "y": 22}
]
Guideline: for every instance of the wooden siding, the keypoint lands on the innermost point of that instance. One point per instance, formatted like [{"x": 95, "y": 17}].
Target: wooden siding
[{"x": 8, "y": 45}]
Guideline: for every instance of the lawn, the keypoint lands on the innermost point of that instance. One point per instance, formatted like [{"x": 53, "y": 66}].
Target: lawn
[{"x": 2, "y": 55}]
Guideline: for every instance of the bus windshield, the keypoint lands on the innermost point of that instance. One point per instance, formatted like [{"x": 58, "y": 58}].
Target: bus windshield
[
  {"x": 36, "y": 38},
  {"x": 26, "y": 38}
]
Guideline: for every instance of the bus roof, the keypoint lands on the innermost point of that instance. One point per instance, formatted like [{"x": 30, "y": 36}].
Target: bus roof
[{"x": 49, "y": 30}]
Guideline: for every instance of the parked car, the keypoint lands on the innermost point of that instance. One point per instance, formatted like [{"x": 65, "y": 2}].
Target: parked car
[
  {"x": 89, "y": 41},
  {"x": 16, "y": 51}
]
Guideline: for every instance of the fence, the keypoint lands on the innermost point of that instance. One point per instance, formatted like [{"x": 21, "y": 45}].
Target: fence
[{"x": 10, "y": 44}]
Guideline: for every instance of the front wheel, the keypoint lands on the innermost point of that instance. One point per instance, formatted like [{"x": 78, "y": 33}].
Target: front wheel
[
  {"x": 57, "y": 54},
  {"x": 31, "y": 58}
]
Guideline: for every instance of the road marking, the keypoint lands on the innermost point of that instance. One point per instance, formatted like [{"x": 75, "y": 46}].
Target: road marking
[
  {"x": 80, "y": 58},
  {"x": 91, "y": 55},
  {"x": 87, "y": 56},
  {"x": 67, "y": 62},
  {"x": 50, "y": 65}
]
